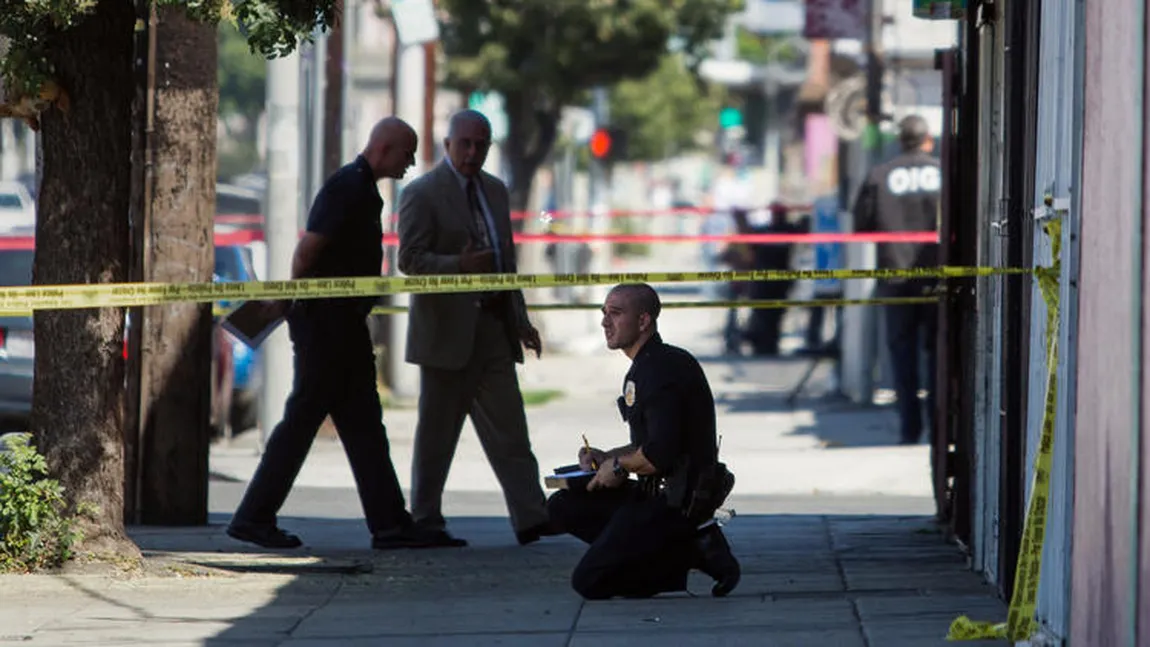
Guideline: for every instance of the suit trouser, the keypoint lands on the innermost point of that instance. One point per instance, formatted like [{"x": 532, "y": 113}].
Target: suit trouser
[
  {"x": 487, "y": 388},
  {"x": 639, "y": 546},
  {"x": 334, "y": 375},
  {"x": 911, "y": 328}
]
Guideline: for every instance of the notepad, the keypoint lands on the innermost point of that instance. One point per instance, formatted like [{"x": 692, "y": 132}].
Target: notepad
[
  {"x": 568, "y": 479},
  {"x": 251, "y": 324}
]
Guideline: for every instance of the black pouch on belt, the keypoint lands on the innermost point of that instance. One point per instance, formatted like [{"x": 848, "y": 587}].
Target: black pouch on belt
[{"x": 712, "y": 488}]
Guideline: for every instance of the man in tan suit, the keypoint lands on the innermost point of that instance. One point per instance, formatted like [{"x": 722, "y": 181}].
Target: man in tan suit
[{"x": 456, "y": 220}]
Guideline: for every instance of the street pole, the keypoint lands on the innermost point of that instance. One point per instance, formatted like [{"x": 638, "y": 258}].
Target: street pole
[
  {"x": 599, "y": 200},
  {"x": 874, "y": 79},
  {"x": 410, "y": 105},
  {"x": 281, "y": 224}
]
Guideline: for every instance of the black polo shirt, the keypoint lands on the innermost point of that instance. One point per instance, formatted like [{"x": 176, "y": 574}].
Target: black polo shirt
[
  {"x": 668, "y": 404},
  {"x": 347, "y": 212}
]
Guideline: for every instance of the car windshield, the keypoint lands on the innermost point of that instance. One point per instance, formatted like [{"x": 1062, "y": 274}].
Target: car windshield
[
  {"x": 16, "y": 267},
  {"x": 10, "y": 201},
  {"x": 233, "y": 263}
]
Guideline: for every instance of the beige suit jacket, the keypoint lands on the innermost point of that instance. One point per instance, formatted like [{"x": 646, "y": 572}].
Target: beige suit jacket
[{"x": 435, "y": 224}]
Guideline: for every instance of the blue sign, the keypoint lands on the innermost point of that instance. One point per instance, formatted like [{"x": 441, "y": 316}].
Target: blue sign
[{"x": 828, "y": 256}]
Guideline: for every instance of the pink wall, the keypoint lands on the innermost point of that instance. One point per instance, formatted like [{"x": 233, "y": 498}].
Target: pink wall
[{"x": 1102, "y": 575}]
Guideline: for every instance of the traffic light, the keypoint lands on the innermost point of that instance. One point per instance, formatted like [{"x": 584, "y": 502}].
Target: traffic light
[{"x": 608, "y": 144}]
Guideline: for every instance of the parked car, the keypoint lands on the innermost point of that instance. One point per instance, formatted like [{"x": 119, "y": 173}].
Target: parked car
[
  {"x": 17, "y": 209},
  {"x": 234, "y": 263},
  {"x": 17, "y": 347}
]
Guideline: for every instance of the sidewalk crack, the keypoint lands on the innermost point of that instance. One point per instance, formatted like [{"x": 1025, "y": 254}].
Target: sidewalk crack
[
  {"x": 575, "y": 623},
  {"x": 843, "y": 580},
  {"x": 334, "y": 592}
]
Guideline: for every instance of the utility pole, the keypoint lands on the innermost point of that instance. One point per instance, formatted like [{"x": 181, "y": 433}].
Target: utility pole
[
  {"x": 874, "y": 78},
  {"x": 281, "y": 224},
  {"x": 413, "y": 80},
  {"x": 599, "y": 198}
]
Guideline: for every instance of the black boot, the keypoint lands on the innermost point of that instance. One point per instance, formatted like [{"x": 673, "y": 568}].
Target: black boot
[{"x": 716, "y": 560}]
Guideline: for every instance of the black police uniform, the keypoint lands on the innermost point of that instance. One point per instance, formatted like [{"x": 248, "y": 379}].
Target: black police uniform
[
  {"x": 641, "y": 543},
  {"x": 334, "y": 366},
  {"x": 903, "y": 195}
]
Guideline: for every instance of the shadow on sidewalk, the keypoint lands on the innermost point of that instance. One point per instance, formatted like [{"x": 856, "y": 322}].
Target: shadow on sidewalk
[
  {"x": 807, "y": 579},
  {"x": 772, "y": 386}
]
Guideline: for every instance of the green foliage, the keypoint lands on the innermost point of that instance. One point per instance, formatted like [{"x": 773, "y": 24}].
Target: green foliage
[
  {"x": 761, "y": 50},
  {"x": 35, "y": 532},
  {"x": 560, "y": 48},
  {"x": 24, "y": 25},
  {"x": 242, "y": 76},
  {"x": 544, "y": 54},
  {"x": 665, "y": 110},
  {"x": 271, "y": 27}
]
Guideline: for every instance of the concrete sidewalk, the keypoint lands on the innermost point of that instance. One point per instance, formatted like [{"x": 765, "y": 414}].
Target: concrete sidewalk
[{"x": 808, "y": 580}]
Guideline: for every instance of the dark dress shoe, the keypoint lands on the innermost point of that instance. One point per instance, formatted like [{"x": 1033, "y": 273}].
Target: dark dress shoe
[
  {"x": 535, "y": 533},
  {"x": 716, "y": 560},
  {"x": 435, "y": 539},
  {"x": 261, "y": 535},
  {"x": 412, "y": 537}
]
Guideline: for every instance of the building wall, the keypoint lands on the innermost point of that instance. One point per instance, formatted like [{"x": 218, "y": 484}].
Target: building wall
[{"x": 1109, "y": 326}]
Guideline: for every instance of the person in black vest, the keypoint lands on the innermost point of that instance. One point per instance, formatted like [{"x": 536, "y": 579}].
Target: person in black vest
[
  {"x": 334, "y": 357},
  {"x": 644, "y": 534},
  {"x": 903, "y": 195}
]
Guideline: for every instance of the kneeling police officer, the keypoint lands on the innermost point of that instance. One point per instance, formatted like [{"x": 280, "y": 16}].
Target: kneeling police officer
[{"x": 645, "y": 535}]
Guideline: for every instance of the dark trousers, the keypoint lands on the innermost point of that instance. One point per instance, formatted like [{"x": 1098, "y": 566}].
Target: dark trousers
[
  {"x": 487, "y": 389},
  {"x": 334, "y": 375},
  {"x": 910, "y": 329},
  {"x": 639, "y": 546}
]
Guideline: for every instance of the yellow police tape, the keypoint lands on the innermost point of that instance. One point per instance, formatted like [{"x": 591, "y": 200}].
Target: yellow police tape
[
  {"x": 101, "y": 295},
  {"x": 1020, "y": 623},
  {"x": 754, "y": 304}
]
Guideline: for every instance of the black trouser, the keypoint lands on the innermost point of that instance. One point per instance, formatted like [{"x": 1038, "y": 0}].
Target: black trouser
[
  {"x": 909, "y": 328},
  {"x": 639, "y": 546},
  {"x": 334, "y": 375}
]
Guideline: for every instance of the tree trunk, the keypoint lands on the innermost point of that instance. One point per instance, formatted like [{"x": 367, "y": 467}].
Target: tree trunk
[
  {"x": 176, "y": 341},
  {"x": 82, "y": 237},
  {"x": 531, "y": 133},
  {"x": 333, "y": 97}
]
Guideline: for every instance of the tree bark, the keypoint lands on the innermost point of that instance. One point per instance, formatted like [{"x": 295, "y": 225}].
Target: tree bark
[
  {"x": 82, "y": 237},
  {"x": 333, "y": 98},
  {"x": 175, "y": 389},
  {"x": 531, "y": 133}
]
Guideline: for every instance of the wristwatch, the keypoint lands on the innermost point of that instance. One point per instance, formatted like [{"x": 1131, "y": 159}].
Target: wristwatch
[{"x": 617, "y": 469}]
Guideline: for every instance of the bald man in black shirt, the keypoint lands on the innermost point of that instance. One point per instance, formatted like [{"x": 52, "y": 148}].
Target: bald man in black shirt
[{"x": 334, "y": 357}]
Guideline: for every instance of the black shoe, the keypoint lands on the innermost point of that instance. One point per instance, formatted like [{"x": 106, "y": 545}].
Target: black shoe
[
  {"x": 716, "y": 560},
  {"x": 435, "y": 539},
  {"x": 265, "y": 536},
  {"x": 535, "y": 533}
]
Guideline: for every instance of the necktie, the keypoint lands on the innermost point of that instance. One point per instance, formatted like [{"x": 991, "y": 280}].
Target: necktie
[{"x": 485, "y": 235}]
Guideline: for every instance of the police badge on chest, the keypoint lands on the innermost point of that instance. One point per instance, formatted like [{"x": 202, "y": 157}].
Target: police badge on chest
[{"x": 627, "y": 400}]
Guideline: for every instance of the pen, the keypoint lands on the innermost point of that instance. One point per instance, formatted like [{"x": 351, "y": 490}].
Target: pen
[{"x": 586, "y": 444}]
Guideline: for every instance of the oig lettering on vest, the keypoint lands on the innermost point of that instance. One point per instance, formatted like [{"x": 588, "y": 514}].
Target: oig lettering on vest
[{"x": 914, "y": 179}]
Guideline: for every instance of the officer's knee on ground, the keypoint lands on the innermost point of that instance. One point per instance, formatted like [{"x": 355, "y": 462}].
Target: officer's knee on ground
[{"x": 590, "y": 583}]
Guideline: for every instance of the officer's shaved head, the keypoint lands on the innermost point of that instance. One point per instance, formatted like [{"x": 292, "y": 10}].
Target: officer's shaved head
[
  {"x": 629, "y": 315},
  {"x": 390, "y": 148},
  {"x": 641, "y": 297}
]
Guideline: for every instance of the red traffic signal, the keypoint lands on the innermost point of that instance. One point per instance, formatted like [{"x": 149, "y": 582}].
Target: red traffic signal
[
  {"x": 608, "y": 144},
  {"x": 601, "y": 143}
]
